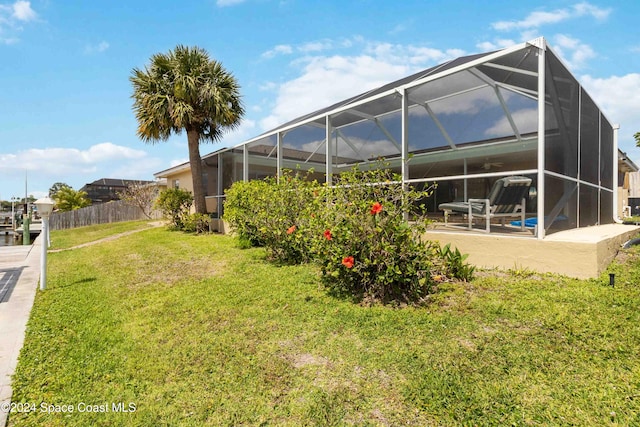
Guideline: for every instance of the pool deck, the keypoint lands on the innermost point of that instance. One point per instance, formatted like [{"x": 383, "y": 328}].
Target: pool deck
[{"x": 582, "y": 252}]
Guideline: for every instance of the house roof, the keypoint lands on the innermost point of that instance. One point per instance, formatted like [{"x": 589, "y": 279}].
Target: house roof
[
  {"x": 114, "y": 182},
  {"x": 441, "y": 68},
  {"x": 338, "y": 105},
  {"x": 381, "y": 100},
  {"x": 513, "y": 68},
  {"x": 625, "y": 163},
  {"x": 172, "y": 170},
  {"x": 185, "y": 166}
]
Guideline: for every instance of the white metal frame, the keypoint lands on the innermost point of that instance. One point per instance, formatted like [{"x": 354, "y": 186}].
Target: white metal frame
[{"x": 323, "y": 119}]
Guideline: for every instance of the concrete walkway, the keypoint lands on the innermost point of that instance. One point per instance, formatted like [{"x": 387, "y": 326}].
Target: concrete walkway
[{"x": 19, "y": 277}]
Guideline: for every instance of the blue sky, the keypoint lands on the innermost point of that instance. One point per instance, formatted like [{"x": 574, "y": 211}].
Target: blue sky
[{"x": 65, "y": 106}]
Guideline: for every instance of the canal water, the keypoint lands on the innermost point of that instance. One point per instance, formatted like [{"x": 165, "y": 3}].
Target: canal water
[
  {"x": 7, "y": 236},
  {"x": 9, "y": 239}
]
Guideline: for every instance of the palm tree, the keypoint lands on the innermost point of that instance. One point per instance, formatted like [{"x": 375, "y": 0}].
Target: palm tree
[
  {"x": 68, "y": 199},
  {"x": 185, "y": 89}
]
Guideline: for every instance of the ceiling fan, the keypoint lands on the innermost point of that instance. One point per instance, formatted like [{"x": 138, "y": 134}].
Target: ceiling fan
[{"x": 488, "y": 165}]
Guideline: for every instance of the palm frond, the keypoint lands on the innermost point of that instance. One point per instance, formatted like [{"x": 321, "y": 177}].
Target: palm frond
[{"x": 185, "y": 89}]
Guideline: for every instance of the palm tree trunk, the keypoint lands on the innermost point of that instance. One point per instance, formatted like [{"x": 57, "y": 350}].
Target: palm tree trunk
[{"x": 195, "y": 161}]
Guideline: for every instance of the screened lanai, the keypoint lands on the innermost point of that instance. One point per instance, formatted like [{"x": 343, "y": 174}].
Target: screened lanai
[{"x": 463, "y": 125}]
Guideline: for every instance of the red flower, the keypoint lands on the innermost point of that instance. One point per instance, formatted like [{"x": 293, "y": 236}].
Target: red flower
[
  {"x": 347, "y": 261},
  {"x": 291, "y": 229},
  {"x": 327, "y": 234},
  {"x": 376, "y": 208}
]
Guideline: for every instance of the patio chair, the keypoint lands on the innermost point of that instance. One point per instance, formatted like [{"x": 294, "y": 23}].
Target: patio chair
[{"x": 506, "y": 199}]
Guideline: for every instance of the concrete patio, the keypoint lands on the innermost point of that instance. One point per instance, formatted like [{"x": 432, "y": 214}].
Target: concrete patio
[{"x": 581, "y": 252}]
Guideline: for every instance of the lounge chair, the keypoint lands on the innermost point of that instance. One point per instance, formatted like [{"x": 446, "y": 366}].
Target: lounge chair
[{"x": 506, "y": 199}]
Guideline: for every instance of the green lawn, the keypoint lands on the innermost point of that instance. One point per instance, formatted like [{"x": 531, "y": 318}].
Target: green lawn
[
  {"x": 193, "y": 331},
  {"x": 64, "y": 239}
]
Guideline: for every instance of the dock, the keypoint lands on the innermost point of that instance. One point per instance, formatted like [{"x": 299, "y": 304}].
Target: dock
[
  {"x": 34, "y": 229},
  {"x": 7, "y": 229}
]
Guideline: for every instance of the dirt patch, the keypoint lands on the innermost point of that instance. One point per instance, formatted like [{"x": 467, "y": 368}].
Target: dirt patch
[
  {"x": 196, "y": 269},
  {"x": 306, "y": 359},
  {"x": 625, "y": 256},
  {"x": 110, "y": 238}
]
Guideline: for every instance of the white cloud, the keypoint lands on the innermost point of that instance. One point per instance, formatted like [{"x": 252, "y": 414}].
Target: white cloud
[
  {"x": 539, "y": 18},
  {"x": 399, "y": 28},
  {"x": 315, "y": 46},
  {"x": 97, "y": 48},
  {"x": 309, "y": 47},
  {"x": 534, "y": 20},
  {"x": 143, "y": 168},
  {"x": 526, "y": 119},
  {"x": 11, "y": 18},
  {"x": 9, "y": 40},
  {"x": 496, "y": 44},
  {"x": 176, "y": 162},
  {"x": 281, "y": 49},
  {"x": 573, "y": 51},
  {"x": 589, "y": 9},
  {"x": 223, "y": 3},
  {"x": 76, "y": 167},
  {"x": 619, "y": 99},
  {"x": 395, "y": 53},
  {"x": 312, "y": 47},
  {"x": 268, "y": 86},
  {"x": 324, "y": 80},
  {"x": 346, "y": 43},
  {"x": 61, "y": 161},
  {"x": 365, "y": 148},
  {"x": 109, "y": 151},
  {"x": 246, "y": 130},
  {"x": 22, "y": 11}
]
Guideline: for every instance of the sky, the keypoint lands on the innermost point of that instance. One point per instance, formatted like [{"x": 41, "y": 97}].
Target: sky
[{"x": 65, "y": 96}]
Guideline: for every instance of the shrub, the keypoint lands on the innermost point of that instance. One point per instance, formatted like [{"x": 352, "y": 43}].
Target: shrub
[
  {"x": 285, "y": 227},
  {"x": 269, "y": 213},
  {"x": 196, "y": 223},
  {"x": 175, "y": 204},
  {"x": 244, "y": 201},
  {"x": 365, "y": 232},
  {"x": 363, "y": 242},
  {"x": 454, "y": 263}
]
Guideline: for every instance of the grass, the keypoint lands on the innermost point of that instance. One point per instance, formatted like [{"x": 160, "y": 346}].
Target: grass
[
  {"x": 64, "y": 239},
  {"x": 635, "y": 220},
  {"x": 193, "y": 331}
]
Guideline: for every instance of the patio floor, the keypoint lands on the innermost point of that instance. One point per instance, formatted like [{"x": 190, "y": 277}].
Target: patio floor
[{"x": 582, "y": 252}]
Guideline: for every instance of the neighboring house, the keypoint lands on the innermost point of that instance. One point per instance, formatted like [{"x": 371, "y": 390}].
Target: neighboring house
[
  {"x": 463, "y": 124},
  {"x": 107, "y": 189},
  {"x": 628, "y": 187},
  {"x": 180, "y": 177}
]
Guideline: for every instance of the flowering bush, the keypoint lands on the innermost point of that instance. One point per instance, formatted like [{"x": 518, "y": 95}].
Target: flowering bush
[
  {"x": 363, "y": 241},
  {"x": 365, "y": 232}
]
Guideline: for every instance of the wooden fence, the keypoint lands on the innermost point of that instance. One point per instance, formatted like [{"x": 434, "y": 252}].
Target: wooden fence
[{"x": 103, "y": 213}]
